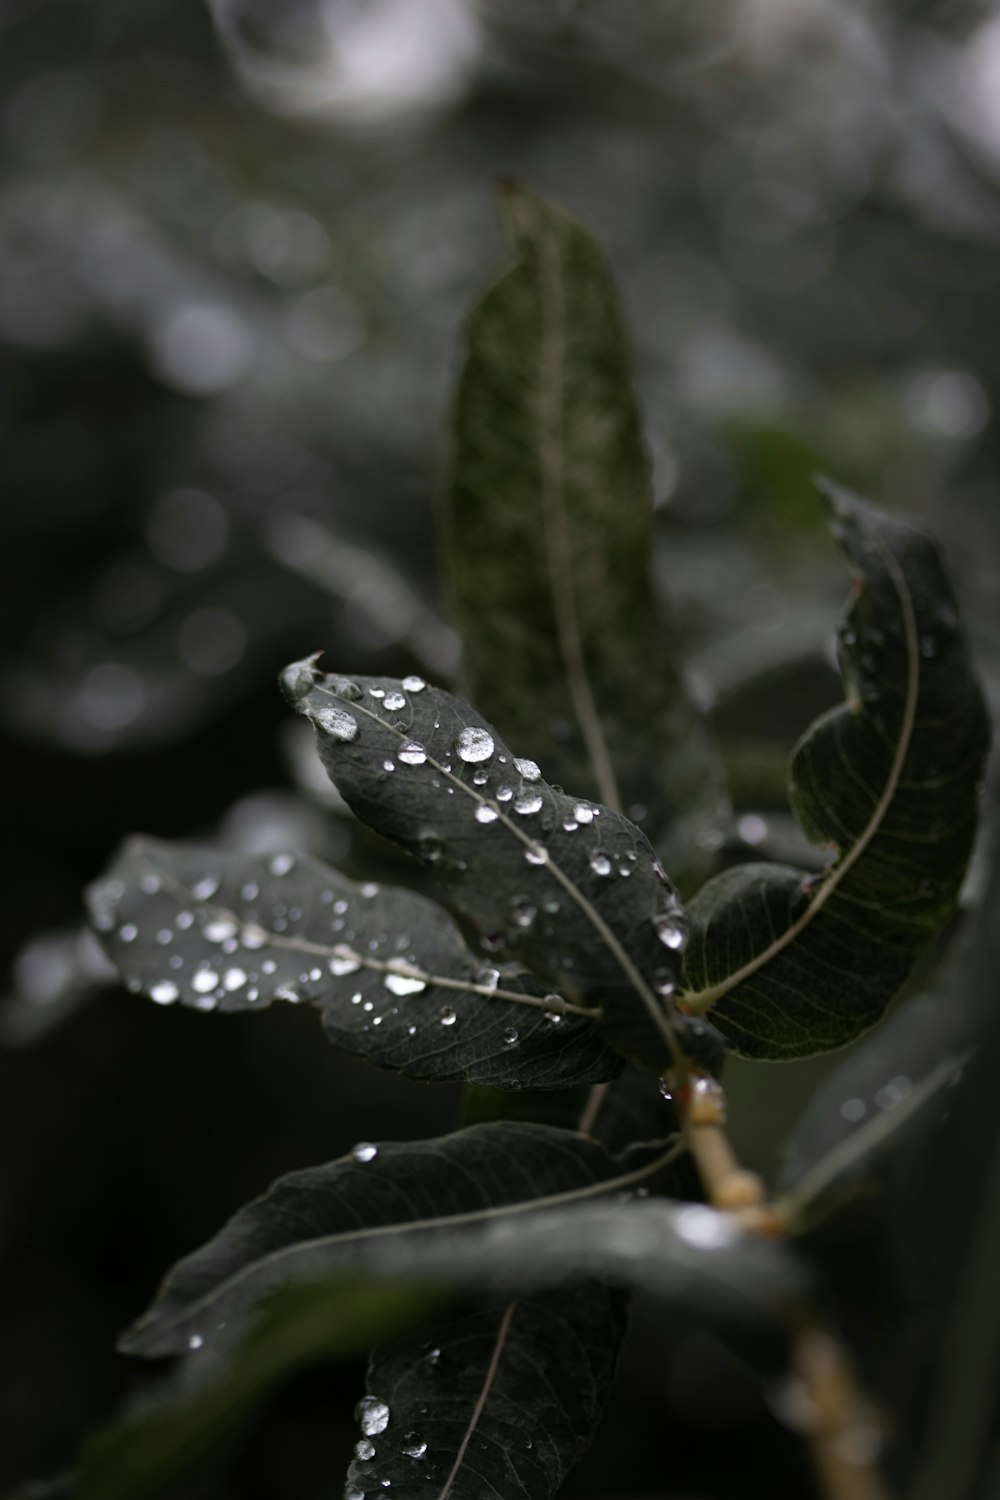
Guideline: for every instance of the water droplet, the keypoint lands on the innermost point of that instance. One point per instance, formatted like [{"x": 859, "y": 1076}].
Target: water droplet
[
  {"x": 354, "y": 1492},
  {"x": 128, "y": 933},
  {"x": 510, "y": 1036},
  {"x": 364, "y": 1449},
  {"x": 528, "y": 802},
  {"x": 404, "y": 984},
  {"x": 204, "y": 981},
  {"x": 388, "y": 765},
  {"x": 669, "y": 931},
  {"x": 488, "y": 978},
  {"x": 528, "y": 769},
  {"x": 474, "y": 744},
  {"x": 413, "y": 1446},
  {"x": 522, "y": 912},
  {"x": 570, "y": 825},
  {"x": 480, "y": 778},
  {"x": 554, "y": 1017},
  {"x": 853, "y": 1110},
  {"x": 376, "y": 692},
  {"x": 253, "y": 936},
  {"x": 893, "y": 1093},
  {"x": 150, "y": 884},
  {"x": 372, "y": 1415},
  {"x": 666, "y": 1087},
  {"x": 504, "y": 793},
  {"x": 281, "y": 864},
  {"x": 535, "y": 854},
  {"x": 600, "y": 863},
  {"x": 343, "y": 961},
  {"x": 369, "y": 889},
  {"x": 485, "y": 813},
  {"x": 582, "y": 813},
  {"x": 705, "y": 1228},
  {"x": 394, "y": 702},
  {"x": 664, "y": 982},
  {"x": 414, "y": 684},
  {"x": 218, "y": 931},
  {"x": 164, "y": 992},
  {"x": 336, "y": 722},
  {"x": 447, "y": 1016},
  {"x": 364, "y": 1151}
]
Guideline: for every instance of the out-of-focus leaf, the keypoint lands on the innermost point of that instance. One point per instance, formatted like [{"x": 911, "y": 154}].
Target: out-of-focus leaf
[
  {"x": 792, "y": 964},
  {"x": 188, "y": 1430},
  {"x": 347, "y": 1212},
  {"x": 548, "y": 536},
  {"x": 572, "y": 888},
  {"x": 52, "y": 976},
  {"x": 388, "y": 970}
]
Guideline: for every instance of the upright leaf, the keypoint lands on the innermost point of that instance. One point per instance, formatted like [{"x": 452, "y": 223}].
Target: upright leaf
[
  {"x": 388, "y": 971},
  {"x": 794, "y": 964},
  {"x": 548, "y": 539},
  {"x": 572, "y": 888},
  {"x": 336, "y": 1216}
]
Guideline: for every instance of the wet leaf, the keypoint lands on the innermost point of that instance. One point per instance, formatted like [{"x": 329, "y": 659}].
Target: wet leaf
[
  {"x": 570, "y": 887},
  {"x": 388, "y": 970},
  {"x": 379, "y": 1197},
  {"x": 792, "y": 964},
  {"x": 548, "y": 537}
]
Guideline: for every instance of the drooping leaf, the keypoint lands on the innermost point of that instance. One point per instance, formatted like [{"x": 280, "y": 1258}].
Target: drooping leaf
[
  {"x": 792, "y": 964},
  {"x": 334, "y": 1216},
  {"x": 572, "y": 888},
  {"x": 388, "y": 971},
  {"x": 167, "y": 1444},
  {"x": 548, "y": 539}
]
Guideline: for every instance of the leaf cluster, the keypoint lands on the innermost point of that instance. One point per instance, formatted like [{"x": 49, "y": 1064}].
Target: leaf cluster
[{"x": 562, "y": 972}]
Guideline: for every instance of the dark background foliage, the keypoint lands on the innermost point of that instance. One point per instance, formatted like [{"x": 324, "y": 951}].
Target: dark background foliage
[{"x": 233, "y": 271}]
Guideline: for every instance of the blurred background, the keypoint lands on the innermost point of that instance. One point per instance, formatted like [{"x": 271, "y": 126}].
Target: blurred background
[{"x": 237, "y": 244}]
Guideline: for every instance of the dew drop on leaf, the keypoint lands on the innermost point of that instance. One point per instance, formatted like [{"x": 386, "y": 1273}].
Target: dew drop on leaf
[
  {"x": 404, "y": 984},
  {"x": 195, "y": 1341},
  {"x": 204, "y": 981},
  {"x": 253, "y": 936},
  {"x": 510, "y": 1036},
  {"x": 522, "y": 912},
  {"x": 413, "y": 1446},
  {"x": 343, "y": 961},
  {"x": 669, "y": 932},
  {"x": 164, "y": 992},
  {"x": 600, "y": 863},
  {"x": 504, "y": 793},
  {"x": 414, "y": 684},
  {"x": 336, "y": 722},
  {"x": 128, "y": 933},
  {"x": 279, "y": 864},
  {"x": 364, "y": 1449},
  {"x": 233, "y": 979},
  {"x": 528, "y": 769},
  {"x": 528, "y": 802},
  {"x": 364, "y": 1151},
  {"x": 582, "y": 813},
  {"x": 485, "y": 813},
  {"x": 394, "y": 702},
  {"x": 474, "y": 744},
  {"x": 220, "y": 930},
  {"x": 448, "y": 1016},
  {"x": 536, "y": 855},
  {"x": 372, "y": 1415},
  {"x": 488, "y": 978},
  {"x": 412, "y": 754}
]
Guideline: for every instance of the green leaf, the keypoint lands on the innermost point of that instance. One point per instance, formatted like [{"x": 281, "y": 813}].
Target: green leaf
[
  {"x": 165, "y": 1445},
  {"x": 794, "y": 964},
  {"x": 548, "y": 542},
  {"x": 570, "y": 887},
  {"x": 338, "y": 1216},
  {"x": 389, "y": 971}
]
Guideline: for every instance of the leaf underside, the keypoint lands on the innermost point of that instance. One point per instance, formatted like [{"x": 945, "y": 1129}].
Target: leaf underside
[
  {"x": 794, "y": 964},
  {"x": 571, "y": 888},
  {"x": 548, "y": 541},
  {"x": 389, "y": 972}
]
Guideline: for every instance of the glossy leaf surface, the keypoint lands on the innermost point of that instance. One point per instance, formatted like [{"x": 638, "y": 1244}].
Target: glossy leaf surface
[
  {"x": 792, "y": 964},
  {"x": 389, "y": 971},
  {"x": 570, "y": 887},
  {"x": 548, "y": 539}
]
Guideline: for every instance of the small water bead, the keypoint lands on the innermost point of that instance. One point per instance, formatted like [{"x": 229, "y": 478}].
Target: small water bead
[
  {"x": 281, "y": 864},
  {"x": 669, "y": 931},
  {"x": 284, "y": 992},
  {"x": 195, "y": 1341},
  {"x": 376, "y": 692},
  {"x": 364, "y": 1449},
  {"x": 394, "y": 701},
  {"x": 413, "y": 1446},
  {"x": 204, "y": 981},
  {"x": 447, "y": 1016},
  {"x": 752, "y": 829},
  {"x": 510, "y": 1036},
  {"x": 666, "y": 1088},
  {"x": 372, "y": 1415},
  {"x": 205, "y": 1002},
  {"x": 414, "y": 684},
  {"x": 164, "y": 936},
  {"x": 570, "y": 825},
  {"x": 522, "y": 911},
  {"x": 343, "y": 961},
  {"x": 150, "y": 884},
  {"x": 337, "y": 723},
  {"x": 486, "y": 814},
  {"x": 528, "y": 769},
  {"x": 175, "y": 961},
  {"x": 474, "y": 744},
  {"x": 600, "y": 863},
  {"x": 480, "y": 778},
  {"x": 487, "y": 978},
  {"x": 582, "y": 813},
  {"x": 536, "y": 855},
  {"x": 554, "y": 1017},
  {"x": 233, "y": 979},
  {"x": 128, "y": 933},
  {"x": 528, "y": 802},
  {"x": 412, "y": 754},
  {"x": 253, "y": 936},
  {"x": 369, "y": 889},
  {"x": 388, "y": 765},
  {"x": 164, "y": 992},
  {"x": 404, "y": 984},
  {"x": 504, "y": 793},
  {"x": 368, "y": 1007},
  {"x": 664, "y": 983},
  {"x": 364, "y": 1151},
  {"x": 220, "y": 930}
]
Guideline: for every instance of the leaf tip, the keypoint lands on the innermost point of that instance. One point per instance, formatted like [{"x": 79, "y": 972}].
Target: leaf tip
[{"x": 298, "y": 678}]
